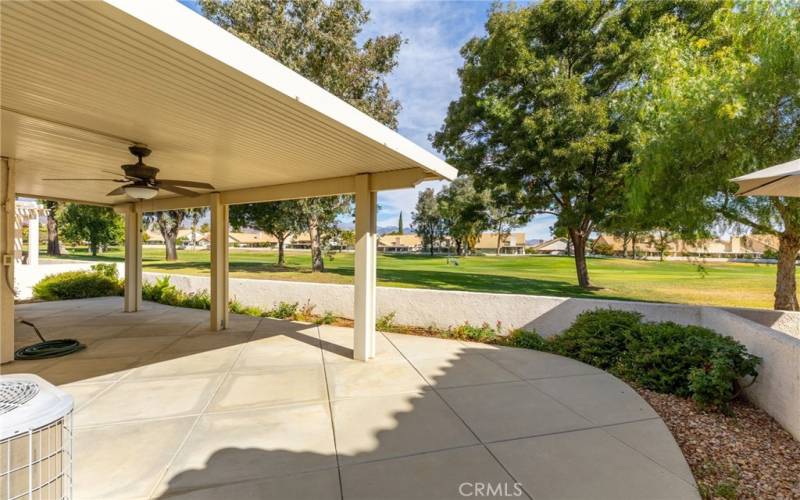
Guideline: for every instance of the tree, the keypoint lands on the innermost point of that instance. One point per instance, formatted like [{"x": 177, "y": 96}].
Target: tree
[
  {"x": 317, "y": 39},
  {"x": 97, "y": 226},
  {"x": 400, "y": 223},
  {"x": 195, "y": 217},
  {"x": 168, "y": 223},
  {"x": 53, "y": 245},
  {"x": 715, "y": 106},
  {"x": 463, "y": 211},
  {"x": 539, "y": 111},
  {"x": 318, "y": 216},
  {"x": 427, "y": 221},
  {"x": 279, "y": 219},
  {"x": 503, "y": 214}
]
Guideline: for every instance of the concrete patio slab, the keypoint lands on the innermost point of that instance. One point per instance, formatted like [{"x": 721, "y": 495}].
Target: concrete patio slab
[
  {"x": 511, "y": 410},
  {"x": 602, "y": 398},
  {"x": 376, "y": 428},
  {"x": 278, "y": 409},
  {"x": 587, "y": 464}
]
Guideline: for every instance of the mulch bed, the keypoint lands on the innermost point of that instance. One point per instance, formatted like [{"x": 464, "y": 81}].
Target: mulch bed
[{"x": 747, "y": 455}]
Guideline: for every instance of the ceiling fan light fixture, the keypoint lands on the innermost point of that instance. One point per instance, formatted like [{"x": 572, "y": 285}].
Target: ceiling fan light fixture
[{"x": 140, "y": 192}]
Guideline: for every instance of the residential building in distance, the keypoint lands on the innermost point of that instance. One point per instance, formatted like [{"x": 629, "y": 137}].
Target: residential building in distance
[
  {"x": 744, "y": 246},
  {"x": 556, "y": 246},
  {"x": 510, "y": 244}
]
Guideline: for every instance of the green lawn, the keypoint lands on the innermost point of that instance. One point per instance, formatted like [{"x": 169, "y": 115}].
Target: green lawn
[{"x": 729, "y": 284}]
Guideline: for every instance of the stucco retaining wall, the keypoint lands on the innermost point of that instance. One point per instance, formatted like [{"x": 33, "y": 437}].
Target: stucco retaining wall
[{"x": 777, "y": 389}]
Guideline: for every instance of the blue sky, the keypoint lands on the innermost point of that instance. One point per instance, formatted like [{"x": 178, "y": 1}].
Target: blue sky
[{"x": 426, "y": 79}]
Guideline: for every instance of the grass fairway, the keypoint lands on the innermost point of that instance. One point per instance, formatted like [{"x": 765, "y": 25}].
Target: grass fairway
[{"x": 724, "y": 284}]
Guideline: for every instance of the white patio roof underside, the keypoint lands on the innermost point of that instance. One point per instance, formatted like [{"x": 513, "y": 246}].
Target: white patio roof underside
[{"x": 82, "y": 81}]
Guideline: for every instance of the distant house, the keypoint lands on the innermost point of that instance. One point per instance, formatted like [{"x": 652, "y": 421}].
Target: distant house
[
  {"x": 258, "y": 239},
  {"x": 155, "y": 238},
  {"x": 511, "y": 244},
  {"x": 746, "y": 246},
  {"x": 399, "y": 243},
  {"x": 556, "y": 246}
]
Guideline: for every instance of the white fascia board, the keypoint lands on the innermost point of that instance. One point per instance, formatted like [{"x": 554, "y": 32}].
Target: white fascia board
[{"x": 194, "y": 30}]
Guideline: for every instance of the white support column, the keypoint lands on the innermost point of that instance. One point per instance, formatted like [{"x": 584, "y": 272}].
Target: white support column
[
  {"x": 219, "y": 263},
  {"x": 133, "y": 259},
  {"x": 7, "y": 216},
  {"x": 365, "y": 272},
  {"x": 33, "y": 242}
]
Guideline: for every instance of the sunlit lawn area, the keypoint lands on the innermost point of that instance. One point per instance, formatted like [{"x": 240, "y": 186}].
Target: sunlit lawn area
[{"x": 729, "y": 284}]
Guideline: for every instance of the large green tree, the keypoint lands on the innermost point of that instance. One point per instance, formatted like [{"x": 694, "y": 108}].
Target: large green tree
[
  {"x": 715, "y": 106},
  {"x": 97, "y": 226},
  {"x": 464, "y": 212},
  {"x": 279, "y": 219},
  {"x": 539, "y": 107},
  {"x": 317, "y": 39}
]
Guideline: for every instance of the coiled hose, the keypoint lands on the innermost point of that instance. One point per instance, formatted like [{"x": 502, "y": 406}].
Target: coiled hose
[{"x": 47, "y": 348}]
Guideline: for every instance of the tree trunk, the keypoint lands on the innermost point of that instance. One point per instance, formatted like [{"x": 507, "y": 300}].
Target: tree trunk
[
  {"x": 497, "y": 248},
  {"x": 625, "y": 241},
  {"x": 281, "y": 254},
  {"x": 786, "y": 285},
  {"x": 53, "y": 245},
  {"x": 93, "y": 247},
  {"x": 171, "y": 246},
  {"x": 317, "y": 262},
  {"x": 578, "y": 240},
  {"x": 633, "y": 246},
  {"x": 459, "y": 247}
]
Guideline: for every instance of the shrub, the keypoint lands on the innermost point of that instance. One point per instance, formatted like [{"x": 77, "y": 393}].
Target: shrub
[
  {"x": 528, "y": 340},
  {"x": 689, "y": 361},
  {"x": 769, "y": 253},
  {"x": 153, "y": 291},
  {"x": 597, "y": 337},
  {"x": 109, "y": 270},
  {"x": 385, "y": 323},
  {"x": 76, "y": 285},
  {"x": 326, "y": 319},
  {"x": 483, "y": 333},
  {"x": 305, "y": 313},
  {"x": 603, "y": 249},
  {"x": 236, "y": 307},
  {"x": 283, "y": 310}
]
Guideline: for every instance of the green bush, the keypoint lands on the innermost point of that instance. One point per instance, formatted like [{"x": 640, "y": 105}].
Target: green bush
[
  {"x": 769, "y": 254},
  {"x": 109, "y": 270},
  {"x": 326, "y": 319},
  {"x": 76, "y": 285},
  {"x": 528, "y": 340},
  {"x": 283, "y": 310},
  {"x": 689, "y": 361},
  {"x": 385, "y": 323},
  {"x": 483, "y": 333},
  {"x": 597, "y": 337}
]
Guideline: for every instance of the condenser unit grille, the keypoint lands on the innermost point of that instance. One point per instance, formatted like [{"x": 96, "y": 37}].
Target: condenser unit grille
[{"x": 36, "y": 444}]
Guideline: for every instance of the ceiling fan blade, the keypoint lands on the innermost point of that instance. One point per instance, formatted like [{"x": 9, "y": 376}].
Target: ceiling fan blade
[
  {"x": 117, "y": 192},
  {"x": 110, "y": 180},
  {"x": 179, "y": 190},
  {"x": 192, "y": 184}
]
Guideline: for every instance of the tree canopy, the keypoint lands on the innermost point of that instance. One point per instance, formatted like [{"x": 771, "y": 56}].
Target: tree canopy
[
  {"x": 96, "y": 226},
  {"x": 279, "y": 219},
  {"x": 717, "y": 105},
  {"x": 539, "y": 111}
]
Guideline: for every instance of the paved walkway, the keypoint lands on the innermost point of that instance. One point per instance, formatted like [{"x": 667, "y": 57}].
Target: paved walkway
[{"x": 277, "y": 409}]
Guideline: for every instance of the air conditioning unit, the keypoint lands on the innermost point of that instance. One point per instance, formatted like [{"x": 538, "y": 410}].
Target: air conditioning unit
[{"x": 35, "y": 439}]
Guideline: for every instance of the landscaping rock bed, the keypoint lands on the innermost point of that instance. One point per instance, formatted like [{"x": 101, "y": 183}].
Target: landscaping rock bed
[{"x": 747, "y": 455}]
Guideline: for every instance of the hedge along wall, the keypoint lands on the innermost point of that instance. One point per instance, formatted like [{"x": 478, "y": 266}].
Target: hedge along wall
[{"x": 777, "y": 389}]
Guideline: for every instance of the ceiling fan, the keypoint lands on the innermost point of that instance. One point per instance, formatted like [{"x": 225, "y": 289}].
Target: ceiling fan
[{"x": 141, "y": 181}]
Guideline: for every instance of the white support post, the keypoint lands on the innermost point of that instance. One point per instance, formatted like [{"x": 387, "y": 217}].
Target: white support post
[
  {"x": 365, "y": 269},
  {"x": 7, "y": 211},
  {"x": 219, "y": 263},
  {"x": 133, "y": 259},
  {"x": 33, "y": 242}
]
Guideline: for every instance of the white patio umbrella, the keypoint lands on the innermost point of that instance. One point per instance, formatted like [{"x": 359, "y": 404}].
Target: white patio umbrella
[{"x": 780, "y": 180}]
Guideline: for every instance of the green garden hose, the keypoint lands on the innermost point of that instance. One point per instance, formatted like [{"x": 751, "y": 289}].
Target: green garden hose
[{"x": 47, "y": 348}]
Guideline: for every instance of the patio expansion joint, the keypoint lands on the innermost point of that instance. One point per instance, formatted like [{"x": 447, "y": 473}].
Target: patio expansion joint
[
  {"x": 197, "y": 418},
  {"x": 478, "y": 439},
  {"x": 330, "y": 412}
]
